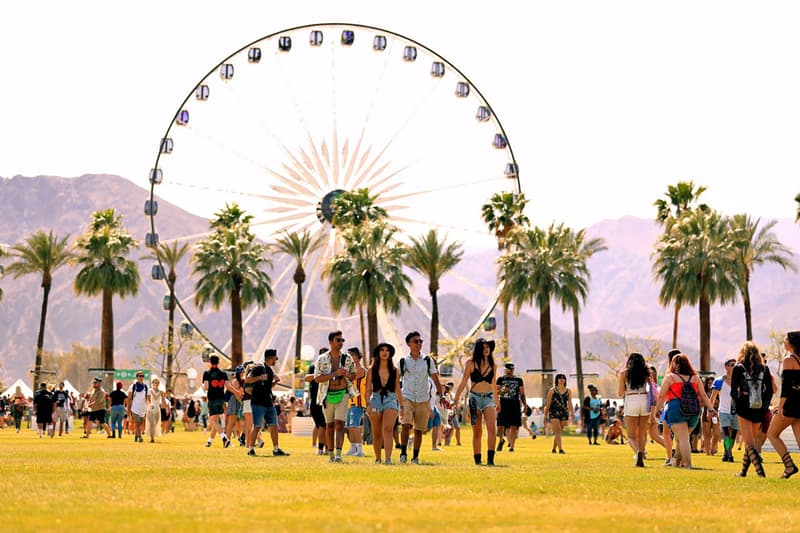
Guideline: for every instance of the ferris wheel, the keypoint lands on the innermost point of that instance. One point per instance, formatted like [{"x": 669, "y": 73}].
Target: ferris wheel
[{"x": 287, "y": 122}]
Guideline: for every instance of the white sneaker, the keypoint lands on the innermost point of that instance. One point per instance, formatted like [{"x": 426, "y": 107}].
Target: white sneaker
[
  {"x": 350, "y": 452},
  {"x": 358, "y": 454},
  {"x": 437, "y": 449}
]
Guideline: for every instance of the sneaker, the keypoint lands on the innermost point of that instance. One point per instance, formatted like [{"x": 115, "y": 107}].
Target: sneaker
[
  {"x": 510, "y": 449},
  {"x": 337, "y": 459},
  {"x": 562, "y": 451},
  {"x": 332, "y": 459},
  {"x": 415, "y": 461},
  {"x": 500, "y": 445},
  {"x": 251, "y": 452},
  {"x": 319, "y": 451},
  {"x": 403, "y": 458},
  {"x": 668, "y": 462},
  {"x": 208, "y": 443},
  {"x": 388, "y": 462},
  {"x": 436, "y": 449},
  {"x": 241, "y": 440},
  {"x": 226, "y": 442},
  {"x": 358, "y": 454},
  {"x": 261, "y": 444},
  {"x": 108, "y": 437},
  {"x": 350, "y": 452},
  {"x": 280, "y": 453}
]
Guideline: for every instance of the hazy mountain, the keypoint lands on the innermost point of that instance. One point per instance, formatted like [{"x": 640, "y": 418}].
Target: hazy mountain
[{"x": 623, "y": 297}]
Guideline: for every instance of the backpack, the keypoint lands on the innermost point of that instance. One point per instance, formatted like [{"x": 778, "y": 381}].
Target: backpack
[
  {"x": 428, "y": 361},
  {"x": 755, "y": 389},
  {"x": 689, "y": 402}
]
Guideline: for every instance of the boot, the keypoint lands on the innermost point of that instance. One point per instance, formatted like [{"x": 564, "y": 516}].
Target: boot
[
  {"x": 755, "y": 458},
  {"x": 477, "y": 458},
  {"x": 789, "y": 468},
  {"x": 745, "y": 465},
  {"x": 640, "y": 459}
]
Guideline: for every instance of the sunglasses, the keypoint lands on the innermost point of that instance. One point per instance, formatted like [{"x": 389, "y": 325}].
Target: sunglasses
[{"x": 339, "y": 339}]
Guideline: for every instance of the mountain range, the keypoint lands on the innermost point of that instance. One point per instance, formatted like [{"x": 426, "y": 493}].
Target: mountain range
[{"x": 622, "y": 304}]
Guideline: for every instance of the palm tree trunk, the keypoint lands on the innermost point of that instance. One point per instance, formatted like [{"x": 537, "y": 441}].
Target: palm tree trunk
[
  {"x": 298, "y": 341},
  {"x": 748, "y": 318},
  {"x": 505, "y": 331},
  {"x": 37, "y": 369},
  {"x": 107, "y": 335},
  {"x": 236, "y": 328},
  {"x": 372, "y": 325},
  {"x": 367, "y": 353},
  {"x": 576, "y": 328},
  {"x": 171, "y": 332},
  {"x": 434, "y": 325},
  {"x": 675, "y": 326},
  {"x": 705, "y": 333},
  {"x": 546, "y": 336}
]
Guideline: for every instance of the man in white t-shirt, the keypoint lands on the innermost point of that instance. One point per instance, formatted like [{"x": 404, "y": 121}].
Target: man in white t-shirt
[
  {"x": 727, "y": 412},
  {"x": 137, "y": 406}
]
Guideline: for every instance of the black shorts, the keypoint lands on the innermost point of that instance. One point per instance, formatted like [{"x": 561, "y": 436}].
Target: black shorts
[
  {"x": 164, "y": 415},
  {"x": 98, "y": 416},
  {"x": 216, "y": 407},
  {"x": 510, "y": 414},
  {"x": 45, "y": 417},
  {"x": 318, "y": 415}
]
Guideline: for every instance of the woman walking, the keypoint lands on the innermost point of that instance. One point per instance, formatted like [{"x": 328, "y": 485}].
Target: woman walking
[
  {"x": 751, "y": 391},
  {"x": 156, "y": 400},
  {"x": 557, "y": 409},
  {"x": 18, "y": 406},
  {"x": 681, "y": 372},
  {"x": 633, "y": 384},
  {"x": 652, "y": 399},
  {"x": 789, "y": 405},
  {"x": 382, "y": 387},
  {"x": 483, "y": 401}
]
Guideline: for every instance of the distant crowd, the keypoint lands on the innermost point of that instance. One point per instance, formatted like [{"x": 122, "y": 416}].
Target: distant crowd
[{"x": 392, "y": 406}]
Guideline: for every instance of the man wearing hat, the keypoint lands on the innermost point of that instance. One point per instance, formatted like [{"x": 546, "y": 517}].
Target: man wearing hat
[
  {"x": 97, "y": 408},
  {"x": 511, "y": 390},
  {"x": 137, "y": 406},
  {"x": 592, "y": 406}
]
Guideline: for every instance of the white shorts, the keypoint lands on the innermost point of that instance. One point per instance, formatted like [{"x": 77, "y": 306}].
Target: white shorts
[
  {"x": 636, "y": 405},
  {"x": 246, "y": 407}
]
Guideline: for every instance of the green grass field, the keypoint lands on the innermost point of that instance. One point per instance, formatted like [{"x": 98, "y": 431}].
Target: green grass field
[{"x": 71, "y": 484}]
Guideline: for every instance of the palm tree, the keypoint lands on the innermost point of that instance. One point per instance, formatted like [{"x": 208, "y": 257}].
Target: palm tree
[
  {"x": 754, "y": 247},
  {"x": 680, "y": 198},
  {"x": 541, "y": 266},
  {"x": 584, "y": 250},
  {"x": 352, "y": 208},
  {"x": 696, "y": 258},
  {"x": 433, "y": 258},
  {"x": 170, "y": 255},
  {"x": 369, "y": 272},
  {"x": 298, "y": 247},
  {"x": 105, "y": 270},
  {"x": 41, "y": 253},
  {"x": 230, "y": 264},
  {"x": 504, "y": 214}
]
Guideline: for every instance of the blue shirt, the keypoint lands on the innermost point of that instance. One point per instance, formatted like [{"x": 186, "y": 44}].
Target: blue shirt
[
  {"x": 415, "y": 378},
  {"x": 595, "y": 403}
]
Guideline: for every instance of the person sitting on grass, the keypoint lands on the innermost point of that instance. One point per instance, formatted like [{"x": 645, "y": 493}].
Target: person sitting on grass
[{"x": 615, "y": 434}]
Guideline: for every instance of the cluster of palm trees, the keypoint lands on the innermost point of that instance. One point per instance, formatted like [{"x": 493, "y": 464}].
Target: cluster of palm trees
[{"x": 703, "y": 258}]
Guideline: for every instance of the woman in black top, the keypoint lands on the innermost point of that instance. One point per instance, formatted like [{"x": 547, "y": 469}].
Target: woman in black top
[
  {"x": 483, "y": 399},
  {"x": 557, "y": 409},
  {"x": 751, "y": 392},
  {"x": 789, "y": 405},
  {"x": 382, "y": 388}
]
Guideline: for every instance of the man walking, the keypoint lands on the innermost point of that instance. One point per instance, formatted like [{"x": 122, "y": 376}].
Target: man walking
[
  {"x": 511, "y": 390},
  {"x": 43, "y": 407},
  {"x": 335, "y": 372},
  {"x": 415, "y": 369},
  {"x": 728, "y": 420},
  {"x": 63, "y": 409},
  {"x": 215, "y": 382},
  {"x": 97, "y": 408},
  {"x": 355, "y": 411},
  {"x": 137, "y": 406}
]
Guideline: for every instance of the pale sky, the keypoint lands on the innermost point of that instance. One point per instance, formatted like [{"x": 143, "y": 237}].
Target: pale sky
[{"x": 604, "y": 103}]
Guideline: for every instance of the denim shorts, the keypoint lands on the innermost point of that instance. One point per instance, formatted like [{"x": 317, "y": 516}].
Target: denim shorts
[
  {"x": 727, "y": 420},
  {"x": 436, "y": 421},
  {"x": 265, "y": 415},
  {"x": 674, "y": 415},
  {"x": 479, "y": 402},
  {"x": 382, "y": 403},
  {"x": 354, "y": 416}
]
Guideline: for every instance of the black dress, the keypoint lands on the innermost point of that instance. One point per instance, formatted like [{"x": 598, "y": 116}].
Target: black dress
[
  {"x": 790, "y": 390},
  {"x": 741, "y": 396}
]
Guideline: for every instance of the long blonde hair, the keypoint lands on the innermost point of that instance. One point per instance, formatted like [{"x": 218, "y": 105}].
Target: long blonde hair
[{"x": 750, "y": 356}]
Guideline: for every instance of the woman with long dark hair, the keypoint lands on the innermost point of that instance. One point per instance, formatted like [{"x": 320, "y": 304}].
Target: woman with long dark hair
[
  {"x": 633, "y": 383},
  {"x": 483, "y": 399},
  {"x": 789, "y": 405},
  {"x": 382, "y": 387},
  {"x": 751, "y": 391},
  {"x": 557, "y": 409},
  {"x": 682, "y": 372}
]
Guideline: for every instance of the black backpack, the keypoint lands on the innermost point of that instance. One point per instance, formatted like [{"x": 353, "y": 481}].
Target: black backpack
[
  {"x": 690, "y": 403},
  {"x": 428, "y": 361}
]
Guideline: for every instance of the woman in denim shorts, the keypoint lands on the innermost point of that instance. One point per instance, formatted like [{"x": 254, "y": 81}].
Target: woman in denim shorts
[
  {"x": 383, "y": 389},
  {"x": 483, "y": 401}
]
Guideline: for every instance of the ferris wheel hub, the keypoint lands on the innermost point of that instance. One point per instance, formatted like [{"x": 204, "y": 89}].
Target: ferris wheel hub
[{"x": 324, "y": 207}]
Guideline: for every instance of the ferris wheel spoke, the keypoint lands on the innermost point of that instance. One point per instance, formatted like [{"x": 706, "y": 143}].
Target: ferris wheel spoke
[
  {"x": 400, "y": 218},
  {"x": 452, "y": 187},
  {"x": 416, "y": 301}
]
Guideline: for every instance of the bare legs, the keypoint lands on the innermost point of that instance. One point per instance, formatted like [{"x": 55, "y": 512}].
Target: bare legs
[{"x": 382, "y": 435}]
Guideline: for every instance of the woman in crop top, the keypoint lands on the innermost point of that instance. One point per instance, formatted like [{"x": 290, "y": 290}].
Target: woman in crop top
[
  {"x": 633, "y": 387},
  {"x": 382, "y": 387},
  {"x": 483, "y": 400},
  {"x": 681, "y": 371},
  {"x": 789, "y": 404}
]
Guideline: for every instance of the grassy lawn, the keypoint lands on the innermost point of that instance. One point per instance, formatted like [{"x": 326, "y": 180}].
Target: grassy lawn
[{"x": 71, "y": 484}]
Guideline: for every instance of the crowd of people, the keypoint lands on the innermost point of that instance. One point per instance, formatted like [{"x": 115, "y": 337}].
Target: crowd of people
[{"x": 393, "y": 406}]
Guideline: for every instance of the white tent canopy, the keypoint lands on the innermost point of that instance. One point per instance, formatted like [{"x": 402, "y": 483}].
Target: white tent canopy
[
  {"x": 10, "y": 391},
  {"x": 70, "y": 388}
]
